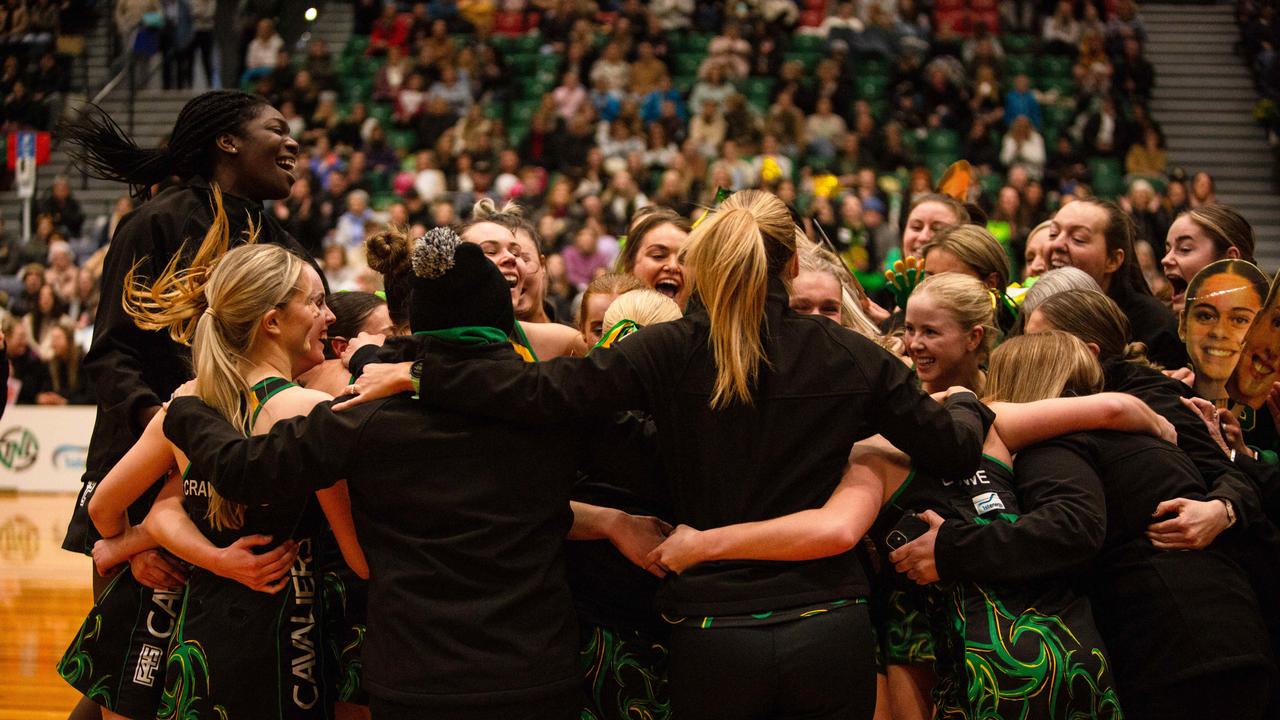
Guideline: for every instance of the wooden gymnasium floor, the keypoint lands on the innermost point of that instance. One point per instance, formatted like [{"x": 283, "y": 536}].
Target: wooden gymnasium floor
[{"x": 44, "y": 594}]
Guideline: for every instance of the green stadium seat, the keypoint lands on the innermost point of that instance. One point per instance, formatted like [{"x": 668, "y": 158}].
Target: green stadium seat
[
  {"x": 522, "y": 64},
  {"x": 356, "y": 45},
  {"x": 879, "y": 108},
  {"x": 991, "y": 184},
  {"x": 872, "y": 65},
  {"x": 684, "y": 83},
  {"x": 808, "y": 44},
  {"x": 808, "y": 59},
  {"x": 1053, "y": 66},
  {"x": 871, "y": 87},
  {"x": 382, "y": 201},
  {"x": 1058, "y": 116},
  {"x": 1015, "y": 65},
  {"x": 381, "y": 111},
  {"x": 1107, "y": 176},
  {"x": 943, "y": 142},
  {"x": 537, "y": 87},
  {"x": 529, "y": 43},
  {"x": 687, "y": 63},
  {"x": 1018, "y": 44},
  {"x": 356, "y": 89},
  {"x": 757, "y": 91},
  {"x": 516, "y": 134},
  {"x": 692, "y": 42},
  {"x": 521, "y": 112},
  {"x": 379, "y": 182},
  {"x": 1064, "y": 85},
  {"x": 403, "y": 140},
  {"x": 937, "y": 164}
]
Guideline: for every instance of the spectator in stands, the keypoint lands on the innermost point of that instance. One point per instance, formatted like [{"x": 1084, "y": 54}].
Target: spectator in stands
[
  {"x": 1021, "y": 100},
  {"x": 824, "y": 128},
  {"x": 1147, "y": 158},
  {"x": 648, "y": 71},
  {"x": 29, "y": 370},
  {"x": 84, "y": 307},
  {"x": 349, "y": 231},
  {"x": 569, "y": 95},
  {"x": 390, "y": 29},
  {"x": 453, "y": 90},
  {"x": 729, "y": 52},
  {"x": 202, "y": 24},
  {"x": 107, "y": 230},
  {"x": 843, "y": 25},
  {"x": 48, "y": 311},
  {"x": 49, "y": 83},
  {"x": 62, "y": 273},
  {"x": 707, "y": 129},
  {"x": 391, "y": 75},
  {"x": 1024, "y": 146},
  {"x": 21, "y": 111},
  {"x": 1106, "y": 133},
  {"x": 62, "y": 208},
  {"x": 1148, "y": 214},
  {"x": 1092, "y": 71},
  {"x": 584, "y": 259},
  {"x": 1203, "y": 190},
  {"x": 67, "y": 382},
  {"x": 127, "y": 15},
  {"x": 714, "y": 88},
  {"x": 260, "y": 56},
  {"x": 786, "y": 123},
  {"x": 1135, "y": 76},
  {"x": 428, "y": 180},
  {"x": 611, "y": 72},
  {"x": 1061, "y": 31},
  {"x": 771, "y": 164}
]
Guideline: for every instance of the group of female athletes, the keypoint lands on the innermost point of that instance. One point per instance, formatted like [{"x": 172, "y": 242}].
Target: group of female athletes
[{"x": 702, "y": 502}]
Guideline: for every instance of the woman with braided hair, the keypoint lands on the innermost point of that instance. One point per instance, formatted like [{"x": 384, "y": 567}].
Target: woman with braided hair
[{"x": 223, "y": 139}]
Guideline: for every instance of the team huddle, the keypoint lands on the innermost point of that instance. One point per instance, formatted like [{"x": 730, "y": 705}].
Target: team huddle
[{"x": 737, "y": 487}]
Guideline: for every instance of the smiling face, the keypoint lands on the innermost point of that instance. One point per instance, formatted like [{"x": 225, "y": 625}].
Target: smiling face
[
  {"x": 304, "y": 323},
  {"x": 944, "y": 353},
  {"x": 1260, "y": 360},
  {"x": 816, "y": 293},
  {"x": 261, "y": 157},
  {"x": 503, "y": 250},
  {"x": 923, "y": 223},
  {"x": 597, "y": 304},
  {"x": 1216, "y": 323},
  {"x": 534, "y": 288},
  {"x": 1190, "y": 249},
  {"x": 658, "y": 262},
  {"x": 1036, "y": 258},
  {"x": 1077, "y": 238}
]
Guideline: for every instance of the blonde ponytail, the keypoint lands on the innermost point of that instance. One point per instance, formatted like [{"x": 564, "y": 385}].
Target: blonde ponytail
[
  {"x": 731, "y": 257},
  {"x": 174, "y": 301}
]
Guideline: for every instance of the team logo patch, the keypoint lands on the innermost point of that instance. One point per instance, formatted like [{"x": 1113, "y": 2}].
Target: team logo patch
[
  {"x": 149, "y": 658},
  {"x": 986, "y": 502}
]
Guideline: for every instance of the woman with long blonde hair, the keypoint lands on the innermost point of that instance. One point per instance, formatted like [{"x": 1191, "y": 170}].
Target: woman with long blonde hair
[
  {"x": 255, "y": 320},
  {"x": 740, "y": 388}
]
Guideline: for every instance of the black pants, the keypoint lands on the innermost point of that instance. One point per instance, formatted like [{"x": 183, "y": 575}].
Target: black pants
[
  {"x": 565, "y": 706},
  {"x": 812, "y": 668},
  {"x": 1240, "y": 694}
]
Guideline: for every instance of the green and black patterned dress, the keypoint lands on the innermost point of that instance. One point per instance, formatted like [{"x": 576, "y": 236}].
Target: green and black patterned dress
[
  {"x": 239, "y": 653},
  {"x": 117, "y": 658},
  {"x": 1030, "y": 651}
]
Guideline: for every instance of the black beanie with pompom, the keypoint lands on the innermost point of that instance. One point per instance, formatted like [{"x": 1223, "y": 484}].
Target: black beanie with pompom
[{"x": 455, "y": 285}]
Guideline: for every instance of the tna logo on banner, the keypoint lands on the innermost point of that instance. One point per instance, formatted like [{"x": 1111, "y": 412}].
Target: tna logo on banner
[{"x": 43, "y": 449}]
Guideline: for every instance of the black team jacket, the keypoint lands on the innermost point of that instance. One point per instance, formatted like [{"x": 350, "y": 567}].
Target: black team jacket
[
  {"x": 129, "y": 368},
  {"x": 823, "y": 388},
  {"x": 462, "y": 519}
]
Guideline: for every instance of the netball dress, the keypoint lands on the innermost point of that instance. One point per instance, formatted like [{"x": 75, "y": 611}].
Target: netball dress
[
  {"x": 239, "y": 653},
  {"x": 117, "y": 658},
  {"x": 1025, "y": 651}
]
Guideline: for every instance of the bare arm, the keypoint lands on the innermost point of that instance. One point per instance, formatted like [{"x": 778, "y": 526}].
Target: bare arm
[
  {"x": 169, "y": 523},
  {"x": 336, "y": 504},
  {"x": 834, "y": 528},
  {"x": 635, "y": 536},
  {"x": 1025, "y": 424},
  {"x": 149, "y": 458}
]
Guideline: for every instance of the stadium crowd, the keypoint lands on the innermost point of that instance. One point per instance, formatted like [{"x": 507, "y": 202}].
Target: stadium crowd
[{"x": 582, "y": 113}]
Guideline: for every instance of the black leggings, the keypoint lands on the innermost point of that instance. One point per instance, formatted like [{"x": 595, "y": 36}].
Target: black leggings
[{"x": 811, "y": 668}]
